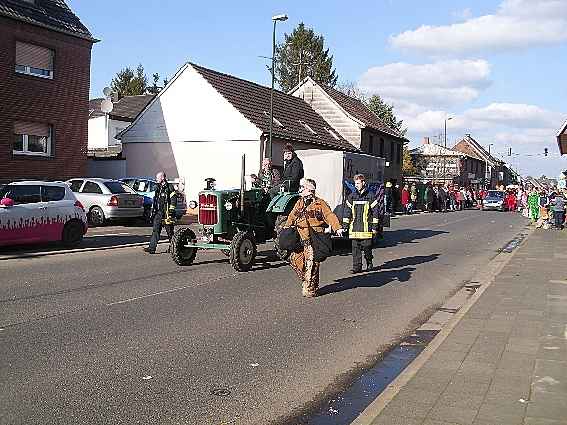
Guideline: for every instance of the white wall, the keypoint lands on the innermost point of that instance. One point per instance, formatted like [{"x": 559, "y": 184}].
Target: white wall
[
  {"x": 316, "y": 97},
  {"x": 192, "y": 132},
  {"x": 101, "y": 136},
  {"x": 194, "y": 162},
  {"x": 97, "y": 135}
]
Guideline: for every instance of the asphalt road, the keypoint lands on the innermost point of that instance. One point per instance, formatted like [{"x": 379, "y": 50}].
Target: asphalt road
[{"x": 115, "y": 336}]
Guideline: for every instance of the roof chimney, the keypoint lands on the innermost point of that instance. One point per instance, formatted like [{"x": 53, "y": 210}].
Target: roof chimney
[{"x": 426, "y": 140}]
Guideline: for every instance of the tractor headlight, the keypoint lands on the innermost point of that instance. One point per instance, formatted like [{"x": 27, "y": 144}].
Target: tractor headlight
[
  {"x": 228, "y": 205},
  {"x": 193, "y": 205}
]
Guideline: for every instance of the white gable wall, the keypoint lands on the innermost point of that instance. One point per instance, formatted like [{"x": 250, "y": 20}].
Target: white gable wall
[
  {"x": 335, "y": 116},
  {"x": 192, "y": 132}
]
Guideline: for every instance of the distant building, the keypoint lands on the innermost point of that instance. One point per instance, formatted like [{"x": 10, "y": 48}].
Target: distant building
[
  {"x": 562, "y": 139},
  {"x": 103, "y": 128},
  {"x": 441, "y": 165},
  {"x": 356, "y": 123},
  {"x": 45, "y": 57}
]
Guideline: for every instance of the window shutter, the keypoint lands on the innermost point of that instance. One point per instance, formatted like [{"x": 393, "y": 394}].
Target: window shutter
[
  {"x": 31, "y": 128},
  {"x": 34, "y": 56}
]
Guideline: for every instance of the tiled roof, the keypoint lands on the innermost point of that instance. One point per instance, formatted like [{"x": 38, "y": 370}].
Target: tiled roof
[
  {"x": 475, "y": 149},
  {"x": 253, "y": 101},
  {"x": 53, "y": 14},
  {"x": 360, "y": 111},
  {"x": 126, "y": 109}
]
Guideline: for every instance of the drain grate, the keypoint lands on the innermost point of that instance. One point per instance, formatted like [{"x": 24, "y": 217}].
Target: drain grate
[{"x": 220, "y": 392}]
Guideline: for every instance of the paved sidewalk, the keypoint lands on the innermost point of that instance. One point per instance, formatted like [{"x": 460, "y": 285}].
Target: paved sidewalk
[{"x": 505, "y": 361}]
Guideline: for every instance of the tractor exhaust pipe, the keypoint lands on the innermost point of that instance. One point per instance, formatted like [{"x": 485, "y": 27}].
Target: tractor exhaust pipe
[{"x": 242, "y": 184}]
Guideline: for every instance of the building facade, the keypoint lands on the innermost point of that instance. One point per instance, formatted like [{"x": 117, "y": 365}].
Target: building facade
[
  {"x": 356, "y": 123},
  {"x": 45, "y": 55}
]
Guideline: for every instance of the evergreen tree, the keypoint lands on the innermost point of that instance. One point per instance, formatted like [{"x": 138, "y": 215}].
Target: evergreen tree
[
  {"x": 385, "y": 112},
  {"x": 303, "y": 54},
  {"x": 130, "y": 83}
]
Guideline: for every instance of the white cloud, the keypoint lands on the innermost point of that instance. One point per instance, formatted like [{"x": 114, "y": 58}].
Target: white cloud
[
  {"x": 463, "y": 14},
  {"x": 516, "y": 24},
  {"x": 514, "y": 115},
  {"x": 442, "y": 83}
]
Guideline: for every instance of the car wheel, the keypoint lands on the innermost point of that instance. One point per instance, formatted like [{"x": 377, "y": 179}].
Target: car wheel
[
  {"x": 96, "y": 216},
  {"x": 242, "y": 252},
  {"x": 72, "y": 233},
  {"x": 181, "y": 254}
]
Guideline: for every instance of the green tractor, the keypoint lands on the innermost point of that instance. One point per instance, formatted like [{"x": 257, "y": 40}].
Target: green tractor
[{"x": 234, "y": 222}]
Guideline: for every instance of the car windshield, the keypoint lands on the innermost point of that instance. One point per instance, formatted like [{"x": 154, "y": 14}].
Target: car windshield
[
  {"x": 495, "y": 194},
  {"x": 118, "y": 187}
]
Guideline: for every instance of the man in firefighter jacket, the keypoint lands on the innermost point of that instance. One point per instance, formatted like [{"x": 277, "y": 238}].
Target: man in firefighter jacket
[
  {"x": 163, "y": 211},
  {"x": 360, "y": 218}
]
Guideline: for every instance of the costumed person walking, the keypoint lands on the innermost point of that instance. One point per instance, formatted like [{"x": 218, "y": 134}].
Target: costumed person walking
[
  {"x": 413, "y": 198},
  {"x": 559, "y": 211},
  {"x": 163, "y": 212},
  {"x": 310, "y": 213},
  {"x": 405, "y": 197},
  {"x": 361, "y": 220},
  {"x": 533, "y": 205}
]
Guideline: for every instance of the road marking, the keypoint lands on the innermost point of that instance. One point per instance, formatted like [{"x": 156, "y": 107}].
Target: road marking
[
  {"x": 113, "y": 234},
  {"x": 150, "y": 295},
  {"x": 562, "y": 282}
]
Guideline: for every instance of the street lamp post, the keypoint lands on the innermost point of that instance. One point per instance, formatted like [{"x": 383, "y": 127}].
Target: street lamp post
[
  {"x": 487, "y": 186},
  {"x": 444, "y": 153},
  {"x": 268, "y": 153}
]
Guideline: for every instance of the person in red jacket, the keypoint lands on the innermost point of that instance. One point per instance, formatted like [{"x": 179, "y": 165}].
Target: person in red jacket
[
  {"x": 405, "y": 198},
  {"x": 512, "y": 201}
]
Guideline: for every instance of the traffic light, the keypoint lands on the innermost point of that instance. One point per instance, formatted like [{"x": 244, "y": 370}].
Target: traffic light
[{"x": 545, "y": 151}]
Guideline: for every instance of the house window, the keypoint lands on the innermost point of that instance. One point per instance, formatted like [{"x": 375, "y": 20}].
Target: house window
[
  {"x": 34, "y": 60},
  {"x": 32, "y": 138},
  {"x": 370, "y": 144},
  {"x": 399, "y": 153},
  {"x": 274, "y": 120},
  {"x": 307, "y": 127},
  {"x": 392, "y": 151},
  {"x": 381, "y": 147}
]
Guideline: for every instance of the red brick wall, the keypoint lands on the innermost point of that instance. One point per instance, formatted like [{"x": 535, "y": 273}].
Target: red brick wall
[{"x": 61, "y": 102}]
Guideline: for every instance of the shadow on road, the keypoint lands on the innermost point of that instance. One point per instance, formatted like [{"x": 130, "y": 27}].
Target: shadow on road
[
  {"x": 368, "y": 280},
  {"x": 401, "y": 236},
  {"x": 380, "y": 277}
]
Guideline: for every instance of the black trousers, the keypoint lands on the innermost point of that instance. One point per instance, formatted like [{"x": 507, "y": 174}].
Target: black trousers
[
  {"x": 156, "y": 232},
  {"x": 559, "y": 218},
  {"x": 358, "y": 247}
]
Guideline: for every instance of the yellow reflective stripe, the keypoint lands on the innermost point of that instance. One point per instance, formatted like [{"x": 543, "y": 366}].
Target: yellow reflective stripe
[
  {"x": 365, "y": 214},
  {"x": 353, "y": 218},
  {"x": 360, "y": 235},
  {"x": 373, "y": 204},
  {"x": 349, "y": 204}
]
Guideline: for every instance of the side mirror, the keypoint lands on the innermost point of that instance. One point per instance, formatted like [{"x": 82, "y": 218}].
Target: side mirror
[{"x": 7, "y": 202}]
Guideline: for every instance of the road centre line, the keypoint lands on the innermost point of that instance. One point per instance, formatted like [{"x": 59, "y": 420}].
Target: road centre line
[{"x": 168, "y": 291}]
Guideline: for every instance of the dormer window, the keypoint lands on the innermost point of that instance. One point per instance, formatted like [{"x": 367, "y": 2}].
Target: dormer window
[
  {"x": 332, "y": 133},
  {"x": 309, "y": 129},
  {"x": 34, "y": 60},
  {"x": 274, "y": 120}
]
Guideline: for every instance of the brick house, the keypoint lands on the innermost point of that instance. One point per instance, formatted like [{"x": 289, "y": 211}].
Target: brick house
[
  {"x": 356, "y": 123},
  {"x": 45, "y": 56}
]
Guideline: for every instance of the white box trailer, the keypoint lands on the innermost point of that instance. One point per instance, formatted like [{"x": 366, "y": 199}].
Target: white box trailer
[{"x": 333, "y": 171}]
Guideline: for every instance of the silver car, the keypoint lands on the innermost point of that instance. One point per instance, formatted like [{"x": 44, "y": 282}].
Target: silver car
[{"x": 106, "y": 199}]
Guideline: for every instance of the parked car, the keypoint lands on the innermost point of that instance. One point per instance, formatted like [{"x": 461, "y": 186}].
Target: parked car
[
  {"x": 146, "y": 186},
  {"x": 36, "y": 211},
  {"x": 494, "y": 200},
  {"x": 106, "y": 199}
]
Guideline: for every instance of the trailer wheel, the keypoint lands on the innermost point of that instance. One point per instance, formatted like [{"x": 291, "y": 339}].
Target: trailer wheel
[
  {"x": 282, "y": 253},
  {"x": 181, "y": 254},
  {"x": 242, "y": 251}
]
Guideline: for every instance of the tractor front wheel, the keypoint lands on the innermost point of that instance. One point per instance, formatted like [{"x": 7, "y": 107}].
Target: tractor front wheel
[
  {"x": 242, "y": 251},
  {"x": 181, "y": 254}
]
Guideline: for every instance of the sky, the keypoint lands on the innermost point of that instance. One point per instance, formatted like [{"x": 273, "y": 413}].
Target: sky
[{"x": 495, "y": 67}]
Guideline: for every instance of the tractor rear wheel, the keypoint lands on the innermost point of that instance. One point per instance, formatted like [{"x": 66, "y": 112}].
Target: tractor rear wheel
[
  {"x": 242, "y": 251},
  {"x": 180, "y": 253},
  {"x": 280, "y": 222}
]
